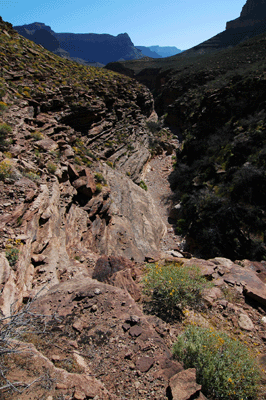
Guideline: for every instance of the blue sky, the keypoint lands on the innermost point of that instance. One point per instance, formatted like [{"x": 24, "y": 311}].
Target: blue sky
[{"x": 180, "y": 23}]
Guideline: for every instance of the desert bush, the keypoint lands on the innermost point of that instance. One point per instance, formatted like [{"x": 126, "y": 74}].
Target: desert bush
[
  {"x": 143, "y": 185},
  {"x": 32, "y": 176},
  {"x": 36, "y": 135},
  {"x": 3, "y": 107},
  {"x": 5, "y": 169},
  {"x": 12, "y": 255},
  {"x": 51, "y": 167},
  {"x": 173, "y": 287},
  {"x": 99, "y": 187},
  {"x": 225, "y": 367},
  {"x": 5, "y": 130},
  {"x": 99, "y": 178},
  {"x": 110, "y": 164}
]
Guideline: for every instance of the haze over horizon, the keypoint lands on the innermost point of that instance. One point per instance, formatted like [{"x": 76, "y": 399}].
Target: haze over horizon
[{"x": 183, "y": 24}]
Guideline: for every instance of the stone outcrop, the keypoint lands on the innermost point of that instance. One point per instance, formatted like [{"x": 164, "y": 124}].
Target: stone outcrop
[{"x": 253, "y": 13}]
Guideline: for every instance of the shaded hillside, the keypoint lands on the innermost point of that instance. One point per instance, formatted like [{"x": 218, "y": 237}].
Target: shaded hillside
[{"x": 90, "y": 47}]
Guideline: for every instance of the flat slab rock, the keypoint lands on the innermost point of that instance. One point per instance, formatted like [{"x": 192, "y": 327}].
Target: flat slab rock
[{"x": 253, "y": 286}]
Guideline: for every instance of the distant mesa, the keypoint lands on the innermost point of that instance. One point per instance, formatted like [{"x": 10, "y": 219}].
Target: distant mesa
[
  {"x": 159, "y": 51},
  {"x": 86, "y": 48},
  {"x": 165, "y": 51},
  {"x": 146, "y": 51}
]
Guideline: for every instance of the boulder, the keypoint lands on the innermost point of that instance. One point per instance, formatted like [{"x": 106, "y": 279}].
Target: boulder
[
  {"x": 245, "y": 323},
  {"x": 183, "y": 385}
]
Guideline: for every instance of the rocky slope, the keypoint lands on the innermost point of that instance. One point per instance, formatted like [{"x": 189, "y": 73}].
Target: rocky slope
[
  {"x": 88, "y": 47},
  {"x": 76, "y": 225}
]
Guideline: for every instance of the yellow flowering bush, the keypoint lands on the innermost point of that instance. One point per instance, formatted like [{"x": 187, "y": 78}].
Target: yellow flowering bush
[
  {"x": 225, "y": 367},
  {"x": 5, "y": 169},
  {"x": 173, "y": 287},
  {"x": 12, "y": 251}
]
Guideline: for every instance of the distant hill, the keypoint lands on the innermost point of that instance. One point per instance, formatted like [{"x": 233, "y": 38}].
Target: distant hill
[
  {"x": 86, "y": 47},
  {"x": 165, "y": 51},
  {"x": 146, "y": 51},
  {"x": 158, "y": 51}
]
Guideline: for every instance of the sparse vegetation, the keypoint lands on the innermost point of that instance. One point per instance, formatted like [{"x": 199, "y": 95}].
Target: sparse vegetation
[
  {"x": 5, "y": 130},
  {"x": 51, "y": 167},
  {"x": 33, "y": 176},
  {"x": 226, "y": 369},
  {"x": 143, "y": 185},
  {"x": 99, "y": 178},
  {"x": 5, "y": 169},
  {"x": 37, "y": 135},
  {"x": 99, "y": 187}
]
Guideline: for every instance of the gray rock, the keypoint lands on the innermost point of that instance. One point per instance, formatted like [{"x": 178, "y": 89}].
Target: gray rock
[{"x": 245, "y": 323}]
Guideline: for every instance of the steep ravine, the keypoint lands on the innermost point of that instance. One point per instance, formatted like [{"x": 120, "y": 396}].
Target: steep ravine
[{"x": 75, "y": 229}]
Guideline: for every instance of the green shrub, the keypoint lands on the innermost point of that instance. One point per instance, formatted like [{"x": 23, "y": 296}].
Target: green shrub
[
  {"x": 225, "y": 367},
  {"x": 5, "y": 129},
  {"x": 3, "y": 107},
  {"x": 99, "y": 178},
  {"x": 12, "y": 255},
  {"x": 143, "y": 185},
  {"x": 36, "y": 135},
  {"x": 181, "y": 226},
  {"x": 51, "y": 167},
  {"x": 174, "y": 286},
  {"x": 99, "y": 188},
  {"x": 32, "y": 176},
  {"x": 110, "y": 164},
  {"x": 5, "y": 169}
]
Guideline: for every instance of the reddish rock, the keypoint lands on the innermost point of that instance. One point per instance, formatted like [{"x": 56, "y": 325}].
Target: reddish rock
[
  {"x": 107, "y": 266},
  {"x": 206, "y": 267},
  {"x": 85, "y": 184},
  {"x": 135, "y": 331},
  {"x": 213, "y": 294},
  {"x": 183, "y": 385},
  {"x": 124, "y": 280},
  {"x": 47, "y": 144},
  {"x": 143, "y": 364},
  {"x": 253, "y": 286},
  {"x": 72, "y": 172}
]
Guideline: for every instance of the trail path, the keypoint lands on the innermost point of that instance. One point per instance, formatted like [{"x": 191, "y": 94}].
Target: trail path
[{"x": 156, "y": 179}]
